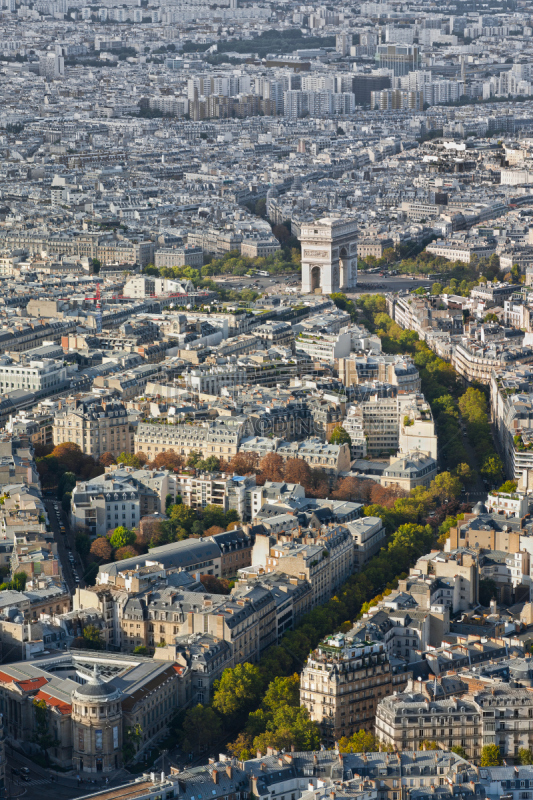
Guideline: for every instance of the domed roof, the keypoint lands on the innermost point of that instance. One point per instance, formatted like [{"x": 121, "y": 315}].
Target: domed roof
[
  {"x": 96, "y": 688},
  {"x": 480, "y": 508}
]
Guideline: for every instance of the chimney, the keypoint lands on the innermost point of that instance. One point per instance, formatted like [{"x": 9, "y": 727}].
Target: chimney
[
  {"x": 215, "y": 776},
  {"x": 340, "y": 758},
  {"x": 263, "y": 766},
  {"x": 229, "y": 771},
  {"x": 259, "y": 754},
  {"x": 315, "y": 759}
]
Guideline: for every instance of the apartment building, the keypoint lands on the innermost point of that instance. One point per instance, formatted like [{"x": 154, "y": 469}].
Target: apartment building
[
  {"x": 332, "y": 458},
  {"x": 43, "y": 377},
  {"x": 512, "y": 413},
  {"x": 324, "y": 346},
  {"x": 400, "y": 421},
  {"x": 220, "y": 438},
  {"x": 120, "y": 497},
  {"x": 398, "y": 371},
  {"x": 475, "y": 361},
  {"x": 97, "y": 424},
  {"x": 325, "y": 560},
  {"x": 501, "y": 715},
  {"x": 342, "y": 683}
]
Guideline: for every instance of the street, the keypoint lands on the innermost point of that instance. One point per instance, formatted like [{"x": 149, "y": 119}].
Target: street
[{"x": 65, "y": 545}]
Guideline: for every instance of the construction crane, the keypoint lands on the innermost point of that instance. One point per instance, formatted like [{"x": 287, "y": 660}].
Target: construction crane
[{"x": 97, "y": 299}]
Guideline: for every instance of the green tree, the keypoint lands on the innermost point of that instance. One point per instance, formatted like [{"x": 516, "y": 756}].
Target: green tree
[
  {"x": 491, "y": 756},
  {"x": 445, "y": 485},
  {"x": 92, "y": 638},
  {"x": 340, "y": 436},
  {"x": 459, "y": 751},
  {"x": 282, "y": 692},
  {"x": 525, "y": 757},
  {"x": 238, "y": 690},
  {"x": 193, "y": 458},
  {"x": 436, "y": 289},
  {"x": 130, "y": 460},
  {"x": 18, "y": 582},
  {"x": 465, "y": 473},
  {"x": 359, "y": 742},
  {"x": 488, "y": 590},
  {"x": 43, "y": 737},
  {"x": 201, "y": 728},
  {"x": 82, "y": 543},
  {"x": 122, "y": 537},
  {"x": 492, "y": 468},
  {"x": 140, "y": 650},
  {"x": 508, "y": 487},
  {"x": 491, "y": 317},
  {"x": 183, "y": 516},
  {"x": 132, "y": 738}
]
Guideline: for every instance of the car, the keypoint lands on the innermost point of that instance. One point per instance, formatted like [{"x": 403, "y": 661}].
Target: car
[
  {"x": 76, "y": 579},
  {"x": 25, "y": 770}
]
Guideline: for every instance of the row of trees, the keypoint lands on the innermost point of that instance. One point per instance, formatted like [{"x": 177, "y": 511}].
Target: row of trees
[{"x": 441, "y": 387}]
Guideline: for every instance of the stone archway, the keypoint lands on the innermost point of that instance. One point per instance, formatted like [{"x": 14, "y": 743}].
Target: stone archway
[
  {"x": 315, "y": 280},
  {"x": 345, "y": 267}
]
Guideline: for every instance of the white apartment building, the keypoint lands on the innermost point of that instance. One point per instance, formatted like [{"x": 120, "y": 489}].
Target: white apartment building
[
  {"x": 45, "y": 375},
  {"x": 324, "y": 346}
]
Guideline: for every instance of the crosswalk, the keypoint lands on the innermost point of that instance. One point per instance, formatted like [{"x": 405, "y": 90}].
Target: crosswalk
[{"x": 33, "y": 782}]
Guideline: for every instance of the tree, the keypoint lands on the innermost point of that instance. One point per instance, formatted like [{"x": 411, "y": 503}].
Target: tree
[
  {"x": 297, "y": 471},
  {"x": 465, "y": 473},
  {"x": 43, "y": 737},
  {"x": 215, "y": 585},
  {"x": 508, "y": 487},
  {"x": 243, "y": 464},
  {"x": 210, "y": 464},
  {"x": 238, "y": 690},
  {"x": 491, "y": 756},
  {"x": 82, "y": 543},
  {"x": 436, "y": 289},
  {"x": 102, "y": 550},
  {"x": 353, "y": 489},
  {"x": 340, "y": 436},
  {"x": 428, "y": 745},
  {"x": 125, "y": 552},
  {"x": 459, "y": 751},
  {"x": 488, "y": 590},
  {"x": 107, "y": 458},
  {"x": 130, "y": 460},
  {"x": 183, "y": 516},
  {"x": 525, "y": 757},
  {"x": 193, "y": 458},
  {"x": 18, "y": 582},
  {"x": 92, "y": 638},
  {"x": 168, "y": 460},
  {"x": 132, "y": 739},
  {"x": 271, "y": 467},
  {"x": 445, "y": 485},
  {"x": 201, "y": 727},
  {"x": 69, "y": 455},
  {"x": 360, "y": 742},
  {"x": 492, "y": 469},
  {"x": 491, "y": 317},
  {"x": 140, "y": 650},
  {"x": 282, "y": 692},
  {"x": 213, "y": 530},
  {"x": 122, "y": 537}
]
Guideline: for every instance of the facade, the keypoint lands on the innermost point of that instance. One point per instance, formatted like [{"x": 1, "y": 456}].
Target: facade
[
  {"x": 44, "y": 377},
  {"x": 96, "y": 424},
  {"x": 329, "y": 255},
  {"x": 120, "y": 497},
  {"x": 91, "y": 701},
  {"x": 501, "y": 715},
  {"x": 342, "y": 684},
  {"x": 221, "y": 438}
]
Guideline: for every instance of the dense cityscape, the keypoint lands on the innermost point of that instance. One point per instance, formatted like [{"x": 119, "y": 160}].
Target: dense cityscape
[{"x": 266, "y": 400}]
